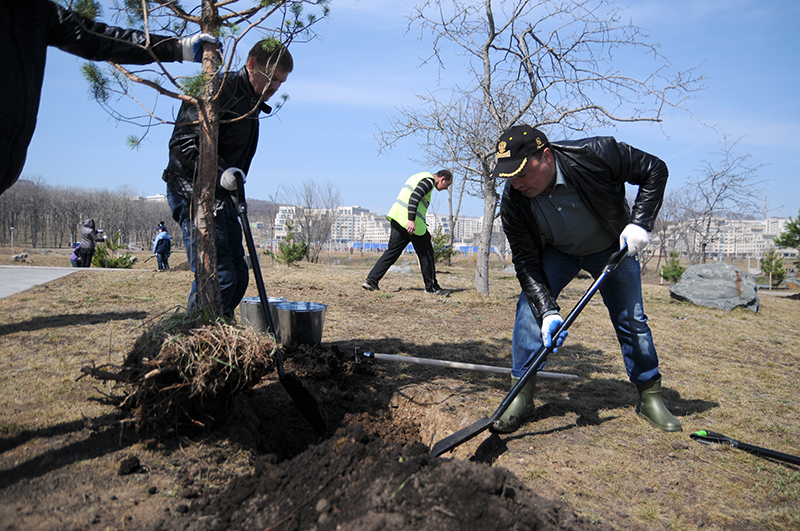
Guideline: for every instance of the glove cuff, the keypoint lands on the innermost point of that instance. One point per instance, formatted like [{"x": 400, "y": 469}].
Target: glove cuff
[{"x": 187, "y": 49}]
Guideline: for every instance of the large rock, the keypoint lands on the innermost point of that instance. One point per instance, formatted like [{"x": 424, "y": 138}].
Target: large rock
[{"x": 717, "y": 285}]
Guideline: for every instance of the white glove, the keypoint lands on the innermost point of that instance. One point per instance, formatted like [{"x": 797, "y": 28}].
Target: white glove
[
  {"x": 228, "y": 178},
  {"x": 550, "y": 325},
  {"x": 636, "y": 238},
  {"x": 192, "y": 47}
]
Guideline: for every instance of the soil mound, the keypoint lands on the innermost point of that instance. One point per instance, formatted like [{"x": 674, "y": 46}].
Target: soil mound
[
  {"x": 370, "y": 472},
  {"x": 358, "y": 482}
]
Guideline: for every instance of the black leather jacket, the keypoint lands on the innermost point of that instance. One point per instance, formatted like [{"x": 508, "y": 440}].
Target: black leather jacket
[
  {"x": 598, "y": 168},
  {"x": 27, "y": 28},
  {"x": 237, "y": 140}
]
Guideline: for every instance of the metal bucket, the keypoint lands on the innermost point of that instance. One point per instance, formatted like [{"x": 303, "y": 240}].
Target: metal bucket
[
  {"x": 253, "y": 314},
  {"x": 301, "y": 323}
]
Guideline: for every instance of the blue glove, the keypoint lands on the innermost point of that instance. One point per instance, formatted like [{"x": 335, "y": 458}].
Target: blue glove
[
  {"x": 550, "y": 325},
  {"x": 192, "y": 47}
]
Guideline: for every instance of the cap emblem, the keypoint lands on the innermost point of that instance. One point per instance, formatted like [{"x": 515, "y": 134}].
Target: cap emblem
[{"x": 501, "y": 151}]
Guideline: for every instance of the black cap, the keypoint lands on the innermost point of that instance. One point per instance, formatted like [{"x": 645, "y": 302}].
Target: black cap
[{"x": 515, "y": 147}]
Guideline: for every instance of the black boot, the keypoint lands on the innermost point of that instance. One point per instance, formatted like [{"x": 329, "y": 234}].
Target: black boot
[{"x": 652, "y": 409}]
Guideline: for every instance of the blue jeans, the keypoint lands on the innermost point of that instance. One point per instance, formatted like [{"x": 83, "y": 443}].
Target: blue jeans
[
  {"x": 622, "y": 296},
  {"x": 231, "y": 265},
  {"x": 163, "y": 260}
]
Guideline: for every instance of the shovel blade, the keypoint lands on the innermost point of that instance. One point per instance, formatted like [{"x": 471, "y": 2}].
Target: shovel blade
[
  {"x": 461, "y": 436},
  {"x": 305, "y": 401}
]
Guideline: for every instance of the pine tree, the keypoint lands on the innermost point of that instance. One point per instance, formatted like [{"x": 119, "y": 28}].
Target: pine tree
[
  {"x": 791, "y": 236},
  {"x": 290, "y": 251},
  {"x": 772, "y": 267},
  {"x": 672, "y": 270}
]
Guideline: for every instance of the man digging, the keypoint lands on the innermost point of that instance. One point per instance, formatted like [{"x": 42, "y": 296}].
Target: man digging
[{"x": 564, "y": 210}]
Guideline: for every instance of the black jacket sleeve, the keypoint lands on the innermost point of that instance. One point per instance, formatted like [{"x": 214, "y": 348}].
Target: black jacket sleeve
[
  {"x": 95, "y": 41},
  {"x": 526, "y": 244},
  {"x": 599, "y": 168}
]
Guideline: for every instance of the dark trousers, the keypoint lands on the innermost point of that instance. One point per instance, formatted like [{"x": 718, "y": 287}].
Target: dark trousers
[
  {"x": 86, "y": 258},
  {"x": 398, "y": 240},
  {"x": 231, "y": 265},
  {"x": 163, "y": 260}
]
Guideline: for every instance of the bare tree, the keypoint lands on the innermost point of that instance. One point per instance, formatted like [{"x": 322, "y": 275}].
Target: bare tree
[
  {"x": 44, "y": 216},
  {"x": 316, "y": 215},
  {"x": 501, "y": 248},
  {"x": 32, "y": 210},
  {"x": 281, "y": 20},
  {"x": 547, "y": 63},
  {"x": 726, "y": 188},
  {"x": 664, "y": 228}
]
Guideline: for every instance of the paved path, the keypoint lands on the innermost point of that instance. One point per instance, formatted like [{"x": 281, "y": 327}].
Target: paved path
[{"x": 14, "y": 279}]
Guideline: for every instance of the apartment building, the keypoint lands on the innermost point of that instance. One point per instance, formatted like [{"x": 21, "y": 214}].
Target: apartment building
[
  {"x": 729, "y": 238},
  {"x": 356, "y": 224}
]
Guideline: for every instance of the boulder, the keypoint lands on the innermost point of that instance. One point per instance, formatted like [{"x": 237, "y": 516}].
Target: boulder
[
  {"x": 717, "y": 285},
  {"x": 404, "y": 269}
]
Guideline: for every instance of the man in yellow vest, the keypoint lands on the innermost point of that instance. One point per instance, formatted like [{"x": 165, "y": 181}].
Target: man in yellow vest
[{"x": 407, "y": 217}]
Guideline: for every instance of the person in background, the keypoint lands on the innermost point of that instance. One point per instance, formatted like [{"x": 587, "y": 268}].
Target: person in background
[
  {"x": 27, "y": 28},
  {"x": 407, "y": 218},
  {"x": 89, "y": 236},
  {"x": 564, "y": 210},
  {"x": 162, "y": 247},
  {"x": 75, "y": 256},
  {"x": 243, "y": 98}
]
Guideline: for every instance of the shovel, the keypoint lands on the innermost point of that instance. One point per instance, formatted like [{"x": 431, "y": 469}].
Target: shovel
[
  {"x": 710, "y": 437},
  {"x": 301, "y": 396},
  {"x": 465, "y": 434}
]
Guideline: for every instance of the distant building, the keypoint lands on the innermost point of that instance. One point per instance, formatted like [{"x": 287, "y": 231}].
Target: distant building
[
  {"x": 355, "y": 225},
  {"x": 729, "y": 238}
]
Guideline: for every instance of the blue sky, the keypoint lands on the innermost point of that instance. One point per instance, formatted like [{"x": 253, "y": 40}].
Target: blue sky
[{"x": 348, "y": 84}]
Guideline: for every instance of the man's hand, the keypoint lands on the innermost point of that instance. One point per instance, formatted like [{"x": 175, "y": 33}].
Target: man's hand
[
  {"x": 550, "y": 325},
  {"x": 411, "y": 227},
  {"x": 228, "y": 178},
  {"x": 192, "y": 47},
  {"x": 635, "y": 237}
]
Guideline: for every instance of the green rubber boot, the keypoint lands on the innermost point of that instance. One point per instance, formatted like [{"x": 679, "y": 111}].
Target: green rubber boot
[
  {"x": 652, "y": 409},
  {"x": 521, "y": 408}
]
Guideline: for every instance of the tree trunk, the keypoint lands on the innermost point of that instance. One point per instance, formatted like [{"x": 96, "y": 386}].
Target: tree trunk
[
  {"x": 206, "y": 280},
  {"x": 485, "y": 241}
]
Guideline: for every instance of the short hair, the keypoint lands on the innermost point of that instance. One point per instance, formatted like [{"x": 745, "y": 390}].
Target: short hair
[
  {"x": 271, "y": 51},
  {"x": 538, "y": 154},
  {"x": 446, "y": 174}
]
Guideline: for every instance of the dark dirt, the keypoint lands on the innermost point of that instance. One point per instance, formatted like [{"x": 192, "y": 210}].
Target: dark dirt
[{"x": 371, "y": 471}]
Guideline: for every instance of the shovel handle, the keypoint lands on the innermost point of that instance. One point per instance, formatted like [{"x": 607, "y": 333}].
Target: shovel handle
[
  {"x": 711, "y": 437},
  {"x": 241, "y": 208},
  {"x": 543, "y": 352},
  {"x": 465, "y": 434}
]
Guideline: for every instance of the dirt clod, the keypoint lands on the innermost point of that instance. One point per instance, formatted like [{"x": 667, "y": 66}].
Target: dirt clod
[{"x": 129, "y": 465}]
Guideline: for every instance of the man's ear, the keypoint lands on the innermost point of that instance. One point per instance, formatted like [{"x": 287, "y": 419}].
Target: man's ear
[{"x": 252, "y": 65}]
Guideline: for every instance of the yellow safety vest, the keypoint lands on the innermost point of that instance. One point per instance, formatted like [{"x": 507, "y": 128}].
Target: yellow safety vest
[{"x": 399, "y": 210}]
